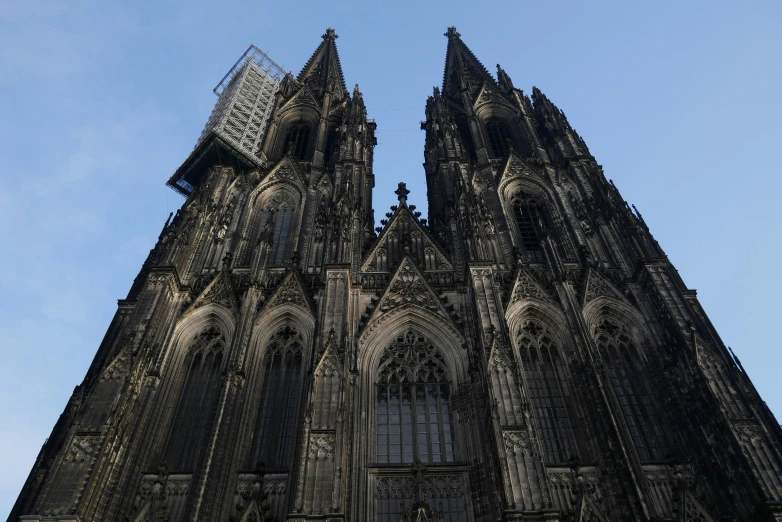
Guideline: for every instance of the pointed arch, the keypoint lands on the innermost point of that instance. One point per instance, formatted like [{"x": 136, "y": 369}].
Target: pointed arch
[
  {"x": 195, "y": 397},
  {"x": 530, "y": 209},
  {"x": 275, "y": 211},
  {"x": 624, "y": 344},
  {"x": 413, "y": 405},
  {"x": 300, "y": 112},
  {"x": 280, "y": 344},
  {"x": 275, "y": 425},
  {"x": 436, "y": 328},
  {"x": 538, "y": 335}
]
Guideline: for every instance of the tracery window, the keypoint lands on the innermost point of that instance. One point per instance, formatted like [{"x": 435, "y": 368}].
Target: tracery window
[
  {"x": 297, "y": 139},
  {"x": 396, "y": 496},
  {"x": 413, "y": 403},
  {"x": 275, "y": 426},
  {"x": 549, "y": 393},
  {"x": 499, "y": 137},
  {"x": 276, "y": 223},
  {"x": 622, "y": 360},
  {"x": 529, "y": 220},
  {"x": 198, "y": 399}
]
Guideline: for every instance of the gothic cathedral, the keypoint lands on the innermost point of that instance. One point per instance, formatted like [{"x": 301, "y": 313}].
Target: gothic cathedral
[{"x": 527, "y": 353}]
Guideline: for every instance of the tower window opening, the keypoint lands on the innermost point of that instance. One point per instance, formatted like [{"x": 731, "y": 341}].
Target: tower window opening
[
  {"x": 463, "y": 127},
  {"x": 332, "y": 145},
  {"x": 499, "y": 137},
  {"x": 297, "y": 139},
  {"x": 529, "y": 220}
]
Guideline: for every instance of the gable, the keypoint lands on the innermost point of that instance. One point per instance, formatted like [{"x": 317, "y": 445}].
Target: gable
[
  {"x": 404, "y": 236},
  {"x": 284, "y": 170},
  {"x": 408, "y": 288},
  {"x": 516, "y": 167},
  {"x": 302, "y": 98},
  {"x": 527, "y": 287},
  {"x": 219, "y": 291},
  {"x": 598, "y": 285},
  {"x": 490, "y": 94},
  {"x": 290, "y": 291}
]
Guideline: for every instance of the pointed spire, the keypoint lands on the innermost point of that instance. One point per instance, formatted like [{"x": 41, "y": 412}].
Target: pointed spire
[
  {"x": 462, "y": 68},
  {"x": 323, "y": 71}
]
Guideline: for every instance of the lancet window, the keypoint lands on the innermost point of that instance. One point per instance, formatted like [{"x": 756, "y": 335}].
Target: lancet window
[
  {"x": 197, "y": 401},
  {"x": 276, "y": 422},
  {"x": 622, "y": 360},
  {"x": 297, "y": 139},
  {"x": 276, "y": 224},
  {"x": 499, "y": 137},
  {"x": 547, "y": 385},
  {"x": 413, "y": 403},
  {"x": 529, "y": 221}
]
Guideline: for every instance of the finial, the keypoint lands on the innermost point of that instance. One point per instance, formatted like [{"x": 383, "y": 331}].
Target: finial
[
  {"x": 452, "y": 32},
  {"x": 402, "y": 192},
  {"x": 330, "y": 34}
]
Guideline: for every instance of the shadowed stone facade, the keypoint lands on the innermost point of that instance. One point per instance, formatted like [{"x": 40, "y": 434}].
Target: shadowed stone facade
[{"x": 529, "y": 353}]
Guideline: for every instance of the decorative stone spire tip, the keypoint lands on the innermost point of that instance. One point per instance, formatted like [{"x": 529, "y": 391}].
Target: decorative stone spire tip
[
  {"x": 452, "y": 32},
  {"x": 402, "y": 192}
]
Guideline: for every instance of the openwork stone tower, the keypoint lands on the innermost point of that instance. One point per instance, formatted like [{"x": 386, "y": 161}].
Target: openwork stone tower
[{"x": 529, "y": 353}]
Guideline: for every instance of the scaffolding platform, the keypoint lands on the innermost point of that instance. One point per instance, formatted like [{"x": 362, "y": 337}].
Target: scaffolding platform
[{"x": 237, "y": 126}]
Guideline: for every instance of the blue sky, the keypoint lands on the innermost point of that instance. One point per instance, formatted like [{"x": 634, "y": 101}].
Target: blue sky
[{"x": 101, "y": 101}]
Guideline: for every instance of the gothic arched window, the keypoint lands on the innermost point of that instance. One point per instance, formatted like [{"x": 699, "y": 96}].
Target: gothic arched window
[
  {"x": 549, "y": 392},
  {"x": 529, "y": 220},
  {"x": 629, "y": 383},
  {"x": 275, "y": 426},
  {"x": 276, "y": 223},
  {"x": 198, "y": 398},
  {"x": 413, "y": 403},
  {"x": 297, "y": 139},
  {"x": 499, "y": 137}
]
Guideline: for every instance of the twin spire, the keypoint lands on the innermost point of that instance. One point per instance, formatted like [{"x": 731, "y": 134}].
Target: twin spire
[{"x": 323, "y": 71}]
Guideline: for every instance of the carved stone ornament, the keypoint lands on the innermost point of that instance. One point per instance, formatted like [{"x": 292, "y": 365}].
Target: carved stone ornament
[
  {"x": 289, "y": 292},
  {"x": 489, "y": 95},
  {"x": 749, "y": 433},
  {"x": 82, "y": 447},
  {"x": 119, "y": 367},
  {"x": 408, "y": 288},
  {"x": 216, "y": 292},
  {"x": 501, "y": 356},
  {"x": 599, "y": 286},
  {"x": 527, "y": 287},
  {"x": 516, "y": 440},
  {"x": 322, "y": 447}
]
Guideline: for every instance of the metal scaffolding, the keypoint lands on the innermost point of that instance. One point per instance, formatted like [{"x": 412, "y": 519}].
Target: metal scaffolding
[{"x": 245, "y": 103}]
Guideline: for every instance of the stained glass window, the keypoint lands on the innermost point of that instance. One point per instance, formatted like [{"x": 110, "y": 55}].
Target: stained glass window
[
  {"x": 198, "y": 398},
  {"x": 275, "y": 426},
  {"x": 413, "y": 403}
]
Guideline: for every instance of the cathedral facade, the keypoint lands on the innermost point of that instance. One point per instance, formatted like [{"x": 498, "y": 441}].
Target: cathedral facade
[{"x": 527, "y": 353}]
